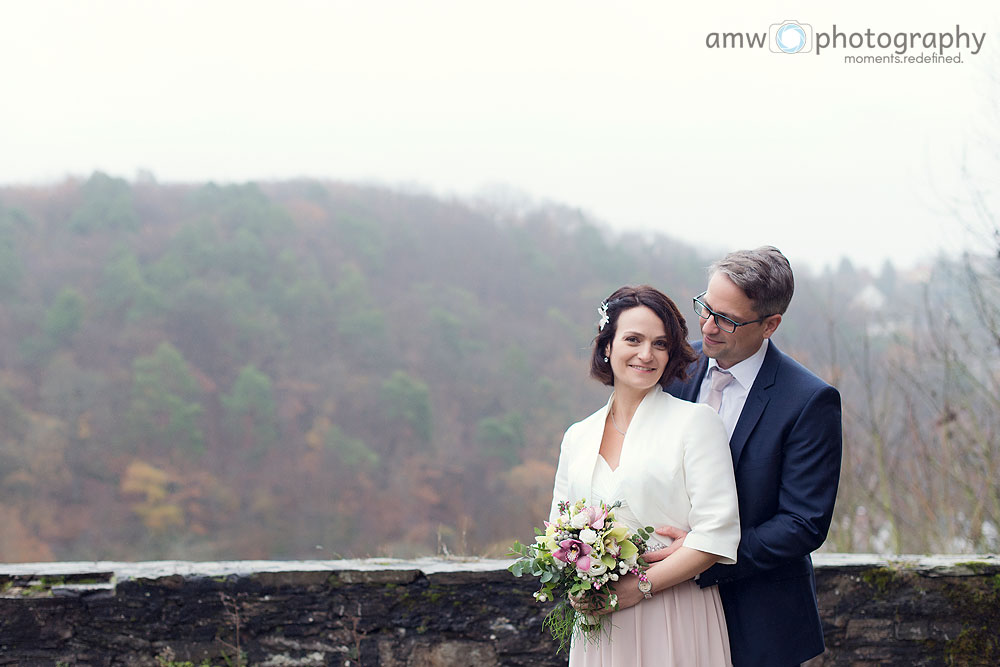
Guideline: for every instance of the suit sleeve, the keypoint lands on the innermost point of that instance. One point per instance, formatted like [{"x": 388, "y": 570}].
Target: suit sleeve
[{"x": 807, "y": 491}]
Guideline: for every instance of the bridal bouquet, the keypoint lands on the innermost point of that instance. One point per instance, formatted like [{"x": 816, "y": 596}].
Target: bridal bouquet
[{"x": 581, "y": 554}]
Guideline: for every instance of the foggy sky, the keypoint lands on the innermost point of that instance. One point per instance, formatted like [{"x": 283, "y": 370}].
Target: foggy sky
[{"x": 618, "y": 109}]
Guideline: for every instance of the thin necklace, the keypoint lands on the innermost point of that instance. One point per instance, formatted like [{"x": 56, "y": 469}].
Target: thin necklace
[{"x": 614, "y": 423}]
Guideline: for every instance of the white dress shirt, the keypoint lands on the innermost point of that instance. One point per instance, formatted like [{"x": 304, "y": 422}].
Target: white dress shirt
[{"x": 734, "y": 395}]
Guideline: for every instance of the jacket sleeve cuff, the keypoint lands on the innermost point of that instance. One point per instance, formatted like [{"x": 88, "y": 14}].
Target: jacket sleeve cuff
[
  {"x": 715, "y": 575},
  {"x": 725, "y": 549}
]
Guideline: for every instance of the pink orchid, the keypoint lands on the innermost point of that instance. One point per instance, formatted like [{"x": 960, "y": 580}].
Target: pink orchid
[
  {"x": 574, "y": 551},
  {"x": 597, "y": 516}
]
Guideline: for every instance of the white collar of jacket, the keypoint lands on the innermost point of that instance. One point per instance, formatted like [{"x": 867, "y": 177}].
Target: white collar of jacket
[
  {"x": 591, "y": 431},
  {"x": 677, "y": 469}
]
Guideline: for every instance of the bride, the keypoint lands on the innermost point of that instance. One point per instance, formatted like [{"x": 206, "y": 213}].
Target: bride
[{"x": 668, "y": 461}]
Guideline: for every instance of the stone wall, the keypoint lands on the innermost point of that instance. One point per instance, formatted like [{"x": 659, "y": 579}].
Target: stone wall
[{"x": 423, "y": 613}]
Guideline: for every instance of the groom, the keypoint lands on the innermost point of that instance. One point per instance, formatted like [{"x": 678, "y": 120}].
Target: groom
[{"x": 785, "y": 435}]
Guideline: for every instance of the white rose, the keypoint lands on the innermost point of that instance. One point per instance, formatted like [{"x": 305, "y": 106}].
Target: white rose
[
  {"x": 597, "y": 568},
  {"x": 580, "y": 520},
  {"x": 588, "y": 535}
]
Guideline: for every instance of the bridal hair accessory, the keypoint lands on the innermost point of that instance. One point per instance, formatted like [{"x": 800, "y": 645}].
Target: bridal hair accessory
[{"x": 603, "y": 312}]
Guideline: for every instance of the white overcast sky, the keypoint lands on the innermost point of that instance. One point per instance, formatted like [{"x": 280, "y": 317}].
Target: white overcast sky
[{"x": 616, "y": 108}]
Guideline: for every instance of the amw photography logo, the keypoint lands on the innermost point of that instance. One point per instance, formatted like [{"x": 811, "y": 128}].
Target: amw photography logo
[{"x": 866, "y": 46}]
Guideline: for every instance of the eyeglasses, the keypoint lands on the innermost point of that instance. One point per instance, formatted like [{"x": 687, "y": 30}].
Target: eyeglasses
[{"x": 721, "y": 321}]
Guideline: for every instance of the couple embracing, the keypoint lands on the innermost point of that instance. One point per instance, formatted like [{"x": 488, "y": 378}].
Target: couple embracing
[{"x": 732, "y": 449}]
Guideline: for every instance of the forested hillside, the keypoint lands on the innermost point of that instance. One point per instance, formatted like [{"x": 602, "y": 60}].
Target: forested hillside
[{"x": 314, "y": 369}]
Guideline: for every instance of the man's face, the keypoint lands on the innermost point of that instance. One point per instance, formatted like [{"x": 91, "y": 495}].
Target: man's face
[{"x": 728, "y": 349}]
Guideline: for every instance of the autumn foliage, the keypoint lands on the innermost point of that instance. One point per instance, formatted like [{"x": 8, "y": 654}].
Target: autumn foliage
[{"x": 313, "y": 369}]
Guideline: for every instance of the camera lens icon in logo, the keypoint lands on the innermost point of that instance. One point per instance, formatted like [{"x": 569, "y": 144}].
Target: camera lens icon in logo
[{"x": 790, "y": 37}]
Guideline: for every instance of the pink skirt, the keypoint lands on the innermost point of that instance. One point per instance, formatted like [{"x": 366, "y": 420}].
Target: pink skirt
[{"x": 683, "y": 625}]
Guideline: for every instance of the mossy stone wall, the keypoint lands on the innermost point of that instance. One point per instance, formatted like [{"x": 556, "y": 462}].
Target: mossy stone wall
[{"x": 435, "y": 612}]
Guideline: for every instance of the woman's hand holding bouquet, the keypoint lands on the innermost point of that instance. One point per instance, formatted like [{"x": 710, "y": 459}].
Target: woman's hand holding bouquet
[{"x": 578, "y": 559}]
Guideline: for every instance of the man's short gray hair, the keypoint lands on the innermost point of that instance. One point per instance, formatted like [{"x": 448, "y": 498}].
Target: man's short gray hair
[{"x": 763, "y": 274}]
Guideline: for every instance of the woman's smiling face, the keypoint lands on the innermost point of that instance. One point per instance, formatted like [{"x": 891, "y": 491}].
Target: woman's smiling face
[{"x": 638, "y": 353}]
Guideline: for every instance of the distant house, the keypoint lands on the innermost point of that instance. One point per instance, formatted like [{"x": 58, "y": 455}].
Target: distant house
[{"x": 870, "y": 298}]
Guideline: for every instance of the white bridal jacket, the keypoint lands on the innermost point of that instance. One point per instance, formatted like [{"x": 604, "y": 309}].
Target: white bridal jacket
[{"x": 677, "y": 470}]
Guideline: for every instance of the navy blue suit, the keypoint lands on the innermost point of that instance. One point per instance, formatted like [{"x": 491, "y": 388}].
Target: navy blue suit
[{"x": 786, "y": 453}]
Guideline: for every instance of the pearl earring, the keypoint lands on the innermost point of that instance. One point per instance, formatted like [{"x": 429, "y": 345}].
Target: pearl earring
[{"x": 605, "y": 360}]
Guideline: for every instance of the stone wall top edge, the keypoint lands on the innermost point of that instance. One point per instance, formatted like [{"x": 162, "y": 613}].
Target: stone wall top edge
[
  {"x": 427, "y": 565},
  {"x": 157, "y": 569},
  {"x": 913, "y": 561}
]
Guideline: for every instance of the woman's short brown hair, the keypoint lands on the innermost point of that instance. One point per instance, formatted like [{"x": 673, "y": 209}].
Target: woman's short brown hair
[{"x": 624, "y": 298}]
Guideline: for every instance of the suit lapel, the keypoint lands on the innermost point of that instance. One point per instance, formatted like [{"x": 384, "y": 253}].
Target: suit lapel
[
  {"x": 756, "y": 401},
  {"x": 693, "y": 386}
]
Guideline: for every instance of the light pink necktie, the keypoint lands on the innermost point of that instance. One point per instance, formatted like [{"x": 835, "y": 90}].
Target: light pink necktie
[{"x": 720, "y": 379}]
